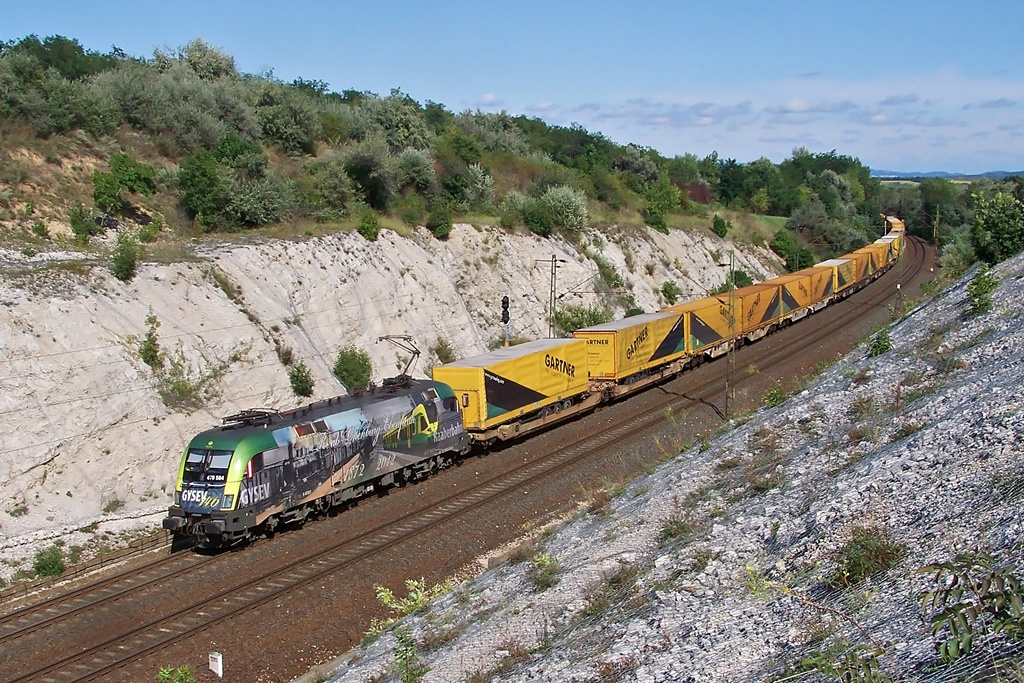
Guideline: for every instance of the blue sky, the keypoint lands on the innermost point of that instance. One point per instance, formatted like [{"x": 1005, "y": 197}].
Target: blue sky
[{"x": 910, "y": 86}]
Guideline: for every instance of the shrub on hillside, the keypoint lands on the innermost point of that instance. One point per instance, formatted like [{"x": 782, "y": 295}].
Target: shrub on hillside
[
  {"x": 301, "y": 379},
  {"x": 720, "y": 226},
  {"x": 49, "y": 561},
  {"x": 82, "y": 225},
  {"x": 255, "y": 202},
  {"x": 979, "y": 291},
  {"x": 353, "y": 368},
  {"x": 439, "y": 222},
  {"x": 567, "y": 208},
  {"x": 287, "y": 119},
  {"x": 127, "y": 176},
  {"x": 125, "y": 258},
  {"x": 416, "y": 169},
  {"x": 572, "y": 318},
  {"x": 369, "y": 224},
  {"x": 203, "y": 185}
]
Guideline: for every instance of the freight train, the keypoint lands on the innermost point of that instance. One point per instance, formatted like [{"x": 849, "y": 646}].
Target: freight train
[{"x": 261, "y": 469}]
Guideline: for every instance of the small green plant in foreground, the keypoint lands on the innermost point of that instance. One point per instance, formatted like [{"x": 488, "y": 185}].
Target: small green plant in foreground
[
  {"x": 406, "y": 660},
  {"x": 181, "y": 674},
  {"x": 972, "y": 597},
  {"x": 418, "y": 597},
  {"x": 773, "y": 396},
  {"x": 544, "y": 571},
  {"x": 979, "y": 291},
  {"x": 843, "y": 663},
  {"x": 880, "y": 343},
  {"x": 49, "y": 561},
  {"x": 869, "y": 551}
]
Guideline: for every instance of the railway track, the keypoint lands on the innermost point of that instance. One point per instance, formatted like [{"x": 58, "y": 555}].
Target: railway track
[{"x": 107, "y": 653}]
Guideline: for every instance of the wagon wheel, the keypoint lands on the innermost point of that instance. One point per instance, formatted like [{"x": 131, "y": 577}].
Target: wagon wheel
[{"x": 270, "y": 526}]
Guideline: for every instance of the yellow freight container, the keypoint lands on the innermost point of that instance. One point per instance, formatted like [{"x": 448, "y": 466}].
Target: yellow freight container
[
  {"x": 861, "y": 266},
  {"x": 709, "y": 321},
  {"x": 796, "y": 292},
  {"x": 878, "y": 256},
  {"x": 822, "y": 281},
  {"x": 844, "y": 271},
  {"x": 895, "y": 240},
  {"x": 618, "y": 349},
  {"x": 508, "y": 383},
  {"x": 759, "y": 303},
  {"x": 894, "y": 224}
]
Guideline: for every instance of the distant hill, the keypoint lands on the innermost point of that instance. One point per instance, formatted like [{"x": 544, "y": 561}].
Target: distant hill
[{"x": 904, "y": 175}]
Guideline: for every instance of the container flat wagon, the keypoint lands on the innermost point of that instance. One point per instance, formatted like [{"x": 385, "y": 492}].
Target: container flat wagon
[
  {"x": 626, "y": 355},
  {"x": 512, "y": 391}
]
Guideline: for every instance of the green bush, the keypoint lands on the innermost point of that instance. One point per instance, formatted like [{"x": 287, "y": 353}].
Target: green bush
[
  {"x": 880, "y": 343},
  {"x": 353, "y": 368},
  {"x": 572, "y": 318},
  {"x": 868, "y": 552},
  {"x": 203, "y": 185},
  {"x": 369, "y": 224},
  {"x": 972, "y": 596},
  {"x": 255, "y": 202},
  {"x": 49, "y": 561},
  {"x": 149, "y": 233},
  {"x": 439, "y": 222},
  {"x": 998, "y": 229},
  {"x": 149, "y": 348},
  {"x": 543, "y": 570},
  {"x": 288, "y": 119},
  {"x": 301, "y": 380},
  {"x": 82, "y": 225},
  {"x": 671, "y": 291},
  {"x": 40, "y": 230},
  {"x": 720, "y": 226},
  {"x": 444, "y": 351},
  {"x": 567, "y": 208},
  {"x": 773, "y": 396},
  {"x": 126, "y": 256},
  {"x": 181, "y": 674},
  {"x": 979, "y": 291},
  {"x": 411, "y": 208}
]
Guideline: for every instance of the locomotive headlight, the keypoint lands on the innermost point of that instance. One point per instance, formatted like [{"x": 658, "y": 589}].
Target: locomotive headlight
[
  {"x": 177, "y": 497},
  {"x": 228, "y": 500}
]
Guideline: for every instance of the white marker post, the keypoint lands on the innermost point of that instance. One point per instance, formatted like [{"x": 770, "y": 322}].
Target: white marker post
[{"x": 217, "y": 664}]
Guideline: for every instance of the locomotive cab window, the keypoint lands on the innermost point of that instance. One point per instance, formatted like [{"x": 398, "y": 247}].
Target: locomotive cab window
[{"x": 207, "y": 465}]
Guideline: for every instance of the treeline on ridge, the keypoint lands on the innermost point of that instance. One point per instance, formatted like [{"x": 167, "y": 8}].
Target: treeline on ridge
[{"x": 239, "y": 150}]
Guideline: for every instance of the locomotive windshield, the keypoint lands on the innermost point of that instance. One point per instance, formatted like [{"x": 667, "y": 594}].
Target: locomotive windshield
[{"x": 204, "y": 464}]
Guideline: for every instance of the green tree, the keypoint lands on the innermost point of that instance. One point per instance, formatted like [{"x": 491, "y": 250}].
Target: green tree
[
  {"x": 301, "y": 379},
  {"x": 998, "y": 229},
  {"x": 353, "y": 368}
]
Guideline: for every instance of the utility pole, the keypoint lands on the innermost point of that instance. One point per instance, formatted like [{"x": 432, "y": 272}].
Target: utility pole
[
  {"x": 731, "y": 360},
  {"x": 555, "y": 261}
]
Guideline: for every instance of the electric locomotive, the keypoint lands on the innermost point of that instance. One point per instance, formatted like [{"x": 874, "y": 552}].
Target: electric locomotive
[{"x": 261, "y": 468}]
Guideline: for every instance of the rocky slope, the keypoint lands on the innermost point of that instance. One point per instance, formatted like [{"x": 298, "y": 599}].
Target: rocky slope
[
  {"x": 90, "y": 433},
  {"x": 735, "y": 561}
]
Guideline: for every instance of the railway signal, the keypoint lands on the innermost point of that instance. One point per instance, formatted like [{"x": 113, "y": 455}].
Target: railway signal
[{"x": 504, "y": 309}]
